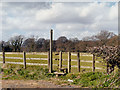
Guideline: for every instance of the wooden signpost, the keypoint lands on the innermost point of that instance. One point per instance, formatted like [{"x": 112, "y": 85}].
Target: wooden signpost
[{"x": 51, "y": 45}]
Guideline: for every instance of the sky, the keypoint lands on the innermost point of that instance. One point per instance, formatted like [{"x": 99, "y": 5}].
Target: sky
[{"x": 73, "y": 20}]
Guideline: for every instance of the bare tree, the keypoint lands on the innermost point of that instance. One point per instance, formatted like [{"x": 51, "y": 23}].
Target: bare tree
[
  {"x": 16, "y": 43},
  {"x": 29, "y": 44},
  {"x": 60, "y": 43},
  {"x": 39, "y": 44},
  {"x": 104, "y": 35},
  {"x": 74, "y": 39},
  {"x": 2, "y": 44},
  {"x": 62, "y": 39},
  {"x": 89, "y": 38}
]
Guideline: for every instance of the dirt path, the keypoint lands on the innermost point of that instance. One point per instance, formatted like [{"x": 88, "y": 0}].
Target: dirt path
[{"x": 30, "y": 84}]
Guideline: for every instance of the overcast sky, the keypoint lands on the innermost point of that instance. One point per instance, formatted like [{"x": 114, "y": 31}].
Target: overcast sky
[{"x": 73, "y": 20}]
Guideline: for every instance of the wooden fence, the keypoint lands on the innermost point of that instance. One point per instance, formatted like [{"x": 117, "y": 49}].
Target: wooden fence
[{"x": 60, "y": 60}]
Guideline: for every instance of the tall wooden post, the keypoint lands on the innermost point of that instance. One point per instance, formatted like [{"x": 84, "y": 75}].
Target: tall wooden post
[
  {"x": 69, "y": 62},
  {"x": 93, "y": 63},
  {"x": 3, "y": 57},
  {"x": 24, "y": 59},
  {"x": 78, "y": 57},
  {"x": 51, "y": 45},
  {"x": 48, "y": 59},
  {"x": 60, "y": 60}
]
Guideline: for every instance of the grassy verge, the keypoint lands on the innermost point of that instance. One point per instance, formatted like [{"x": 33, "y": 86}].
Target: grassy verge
[
  {"x": 17, "y": 72},
  {"x": 88, "y": 79}
]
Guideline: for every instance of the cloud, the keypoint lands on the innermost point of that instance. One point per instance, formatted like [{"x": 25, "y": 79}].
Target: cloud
[
  {"x": 62, "y": 13},
  {"x": 29, "y": 5},
  {"x": 0, "y": 21},
  {"x": 84, "y": 14},
  {"x": 68, "y": 19},
  {"x": 0, "y": 35}
]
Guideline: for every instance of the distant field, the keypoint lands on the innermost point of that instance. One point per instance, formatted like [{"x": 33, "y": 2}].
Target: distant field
[{"x": 41, "y": 58}]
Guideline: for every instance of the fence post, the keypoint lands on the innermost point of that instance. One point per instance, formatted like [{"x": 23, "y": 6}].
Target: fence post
[
  {"x": 107, "y": 66},
  {"x": 93, "y": 63},
  {"x": 69, "y": 62},
  {"x": 107, "y": 69},
  {"x": 60, "y": 60},
  {"x": 48, "y": 60},
  {"x": 51, "y": 45},
  {"x": 78, "y": 57},
  {"x": 24, "y": 59},
  {"x": 3, "y": 57}
]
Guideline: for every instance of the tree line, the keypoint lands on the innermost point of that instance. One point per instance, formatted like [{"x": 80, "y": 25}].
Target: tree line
[{"x": 32, "y": 44}]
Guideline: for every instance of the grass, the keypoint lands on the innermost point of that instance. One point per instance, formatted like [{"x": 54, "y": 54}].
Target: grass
[
  {"x": 13, "y": 60},
  {"x": 82, "y": 79},
  {"x": 93, "y": 80},
  {"x": 17, "y": 72},
  {"x": 13, "y": 55}
]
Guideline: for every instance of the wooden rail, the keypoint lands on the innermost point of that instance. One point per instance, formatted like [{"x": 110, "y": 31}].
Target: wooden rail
[{"x": 60, "y": 61}]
